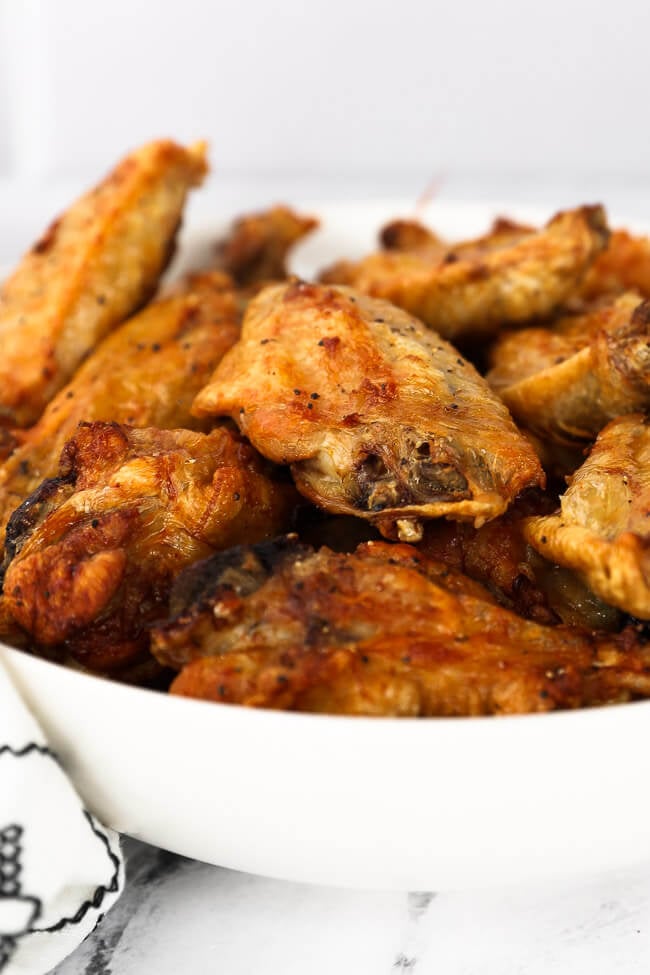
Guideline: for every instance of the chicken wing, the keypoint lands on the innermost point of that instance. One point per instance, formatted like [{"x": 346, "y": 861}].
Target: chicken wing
[
  {"x": 146, "y": 373},
  {"x": 256, "y": 249},
  {"x": 92, "y": 553},
  {"x": 93, "y": 267},
  {"x": 602, "y": 529},
  {"x": 568, "y": 381},
  {"x": 380, "y": 632},
  {"x": 377, "y": 416},
  {"x": 507, "y": 278},
  {"x": 624, "y": 265}
]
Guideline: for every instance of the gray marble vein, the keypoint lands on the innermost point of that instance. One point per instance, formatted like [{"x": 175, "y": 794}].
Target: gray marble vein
[
  {"x": 414, "y": 933},
  {"x": 177, "y": 915}
]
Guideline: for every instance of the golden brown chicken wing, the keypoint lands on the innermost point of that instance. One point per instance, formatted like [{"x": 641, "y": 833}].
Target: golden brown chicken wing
[
  {"x": 257, "y": 247},
  {"x": 602, "y": 529},
  {"x": 92, "y": 552},
  {"x": 146, "y": 373},
  {"x": 624, "y": 265},
  {"x": 92, "y": 268},
  {"x": 377, "y": 416},
  {"x": 507, "y": 278},
  {"x": 380, "y": 632},
  {"x": 566, "y": 382}
]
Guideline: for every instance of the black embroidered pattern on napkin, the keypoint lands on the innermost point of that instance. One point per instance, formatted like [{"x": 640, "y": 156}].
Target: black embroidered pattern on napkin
[
  {"x": 28, "y": 750},
  {"x": 11, "y": 846},
  {"x": 100, "y": 892},
  {"x": 11, "y": 889}
]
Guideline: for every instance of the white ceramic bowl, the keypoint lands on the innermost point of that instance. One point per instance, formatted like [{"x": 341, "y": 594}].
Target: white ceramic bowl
[{"x": 388, "y": 803}]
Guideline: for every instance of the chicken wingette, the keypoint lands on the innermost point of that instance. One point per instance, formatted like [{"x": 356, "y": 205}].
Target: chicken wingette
[
  {"x": 383, "y": 631},
  {"x": 91, "y": 555},
  {"x": 565, "y": 382},
  {"x": 510, "y": 277},
  {"x": 93, "y": 267},
  {"x": 602, "y": 530},
  {"x": 377, "y": 416}
]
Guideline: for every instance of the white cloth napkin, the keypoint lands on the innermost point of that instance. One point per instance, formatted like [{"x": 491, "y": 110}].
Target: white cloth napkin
[{"x": 60, "y": 870}]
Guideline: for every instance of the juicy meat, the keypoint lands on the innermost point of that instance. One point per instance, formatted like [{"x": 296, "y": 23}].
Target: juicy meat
[
  {"x": 257, "y": 247},
  {"x": 377, "y": 415},
  {"x": 507, "y": 278},
  {"x": 624, "y": 265},
  {"x": 92, "y": 553},
  {"x": 567, "y": 381},
  {"x": 602, "y": 529},
  {"x": 93, "y": 267},
  {"x": 380, "y": 632},
  {"x": 146, "y": 373}
]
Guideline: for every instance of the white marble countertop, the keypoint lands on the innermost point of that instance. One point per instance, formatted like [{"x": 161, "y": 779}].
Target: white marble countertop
[{"x": 177, "y": 915}]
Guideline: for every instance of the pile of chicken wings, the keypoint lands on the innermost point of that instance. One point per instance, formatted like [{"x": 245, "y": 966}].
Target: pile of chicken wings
[{"x": 418, "y": 485}]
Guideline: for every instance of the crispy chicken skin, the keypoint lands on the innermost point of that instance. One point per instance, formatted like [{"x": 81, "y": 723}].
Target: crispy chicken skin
[
  {"x": 567, "y": 381},
  {"x": 377, "y": 416},
  {"x": 9, "y": 440},
  {"x": 92, "y": 268},
  {"x": 624, "y": 265},
  {"x": 10, "y": 632},
  {"x": 146, "y": 373},
  {"x": 602, "y": 529},
  {"x": 380, "y": 632},
  {"x": 256, "y": 250},
  {"x": 507, "y": 278},
  {"x": 92, "y": 552}
]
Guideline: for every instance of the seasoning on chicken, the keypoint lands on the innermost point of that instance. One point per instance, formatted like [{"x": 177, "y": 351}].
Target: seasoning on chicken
[
  {"x": 256, "y": 249},
  {"x": 93, "y": 552},
  {"x": 510, "y": 277},
  {"x": 380, "y": 632},
  {"x": 93, "y": 267},
  {"x": 377, "y": 416},
  {"x": 602, "y": 529},
  {"x": 567, "y": 381},
  {"x": 146, "y": 373}
]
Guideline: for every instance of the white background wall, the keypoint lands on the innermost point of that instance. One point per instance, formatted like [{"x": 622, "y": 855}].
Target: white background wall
[{"x": 330, "y": 86}]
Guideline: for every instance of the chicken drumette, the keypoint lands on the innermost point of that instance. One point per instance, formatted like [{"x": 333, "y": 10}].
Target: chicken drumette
[{"x": 92, "y": 552}]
